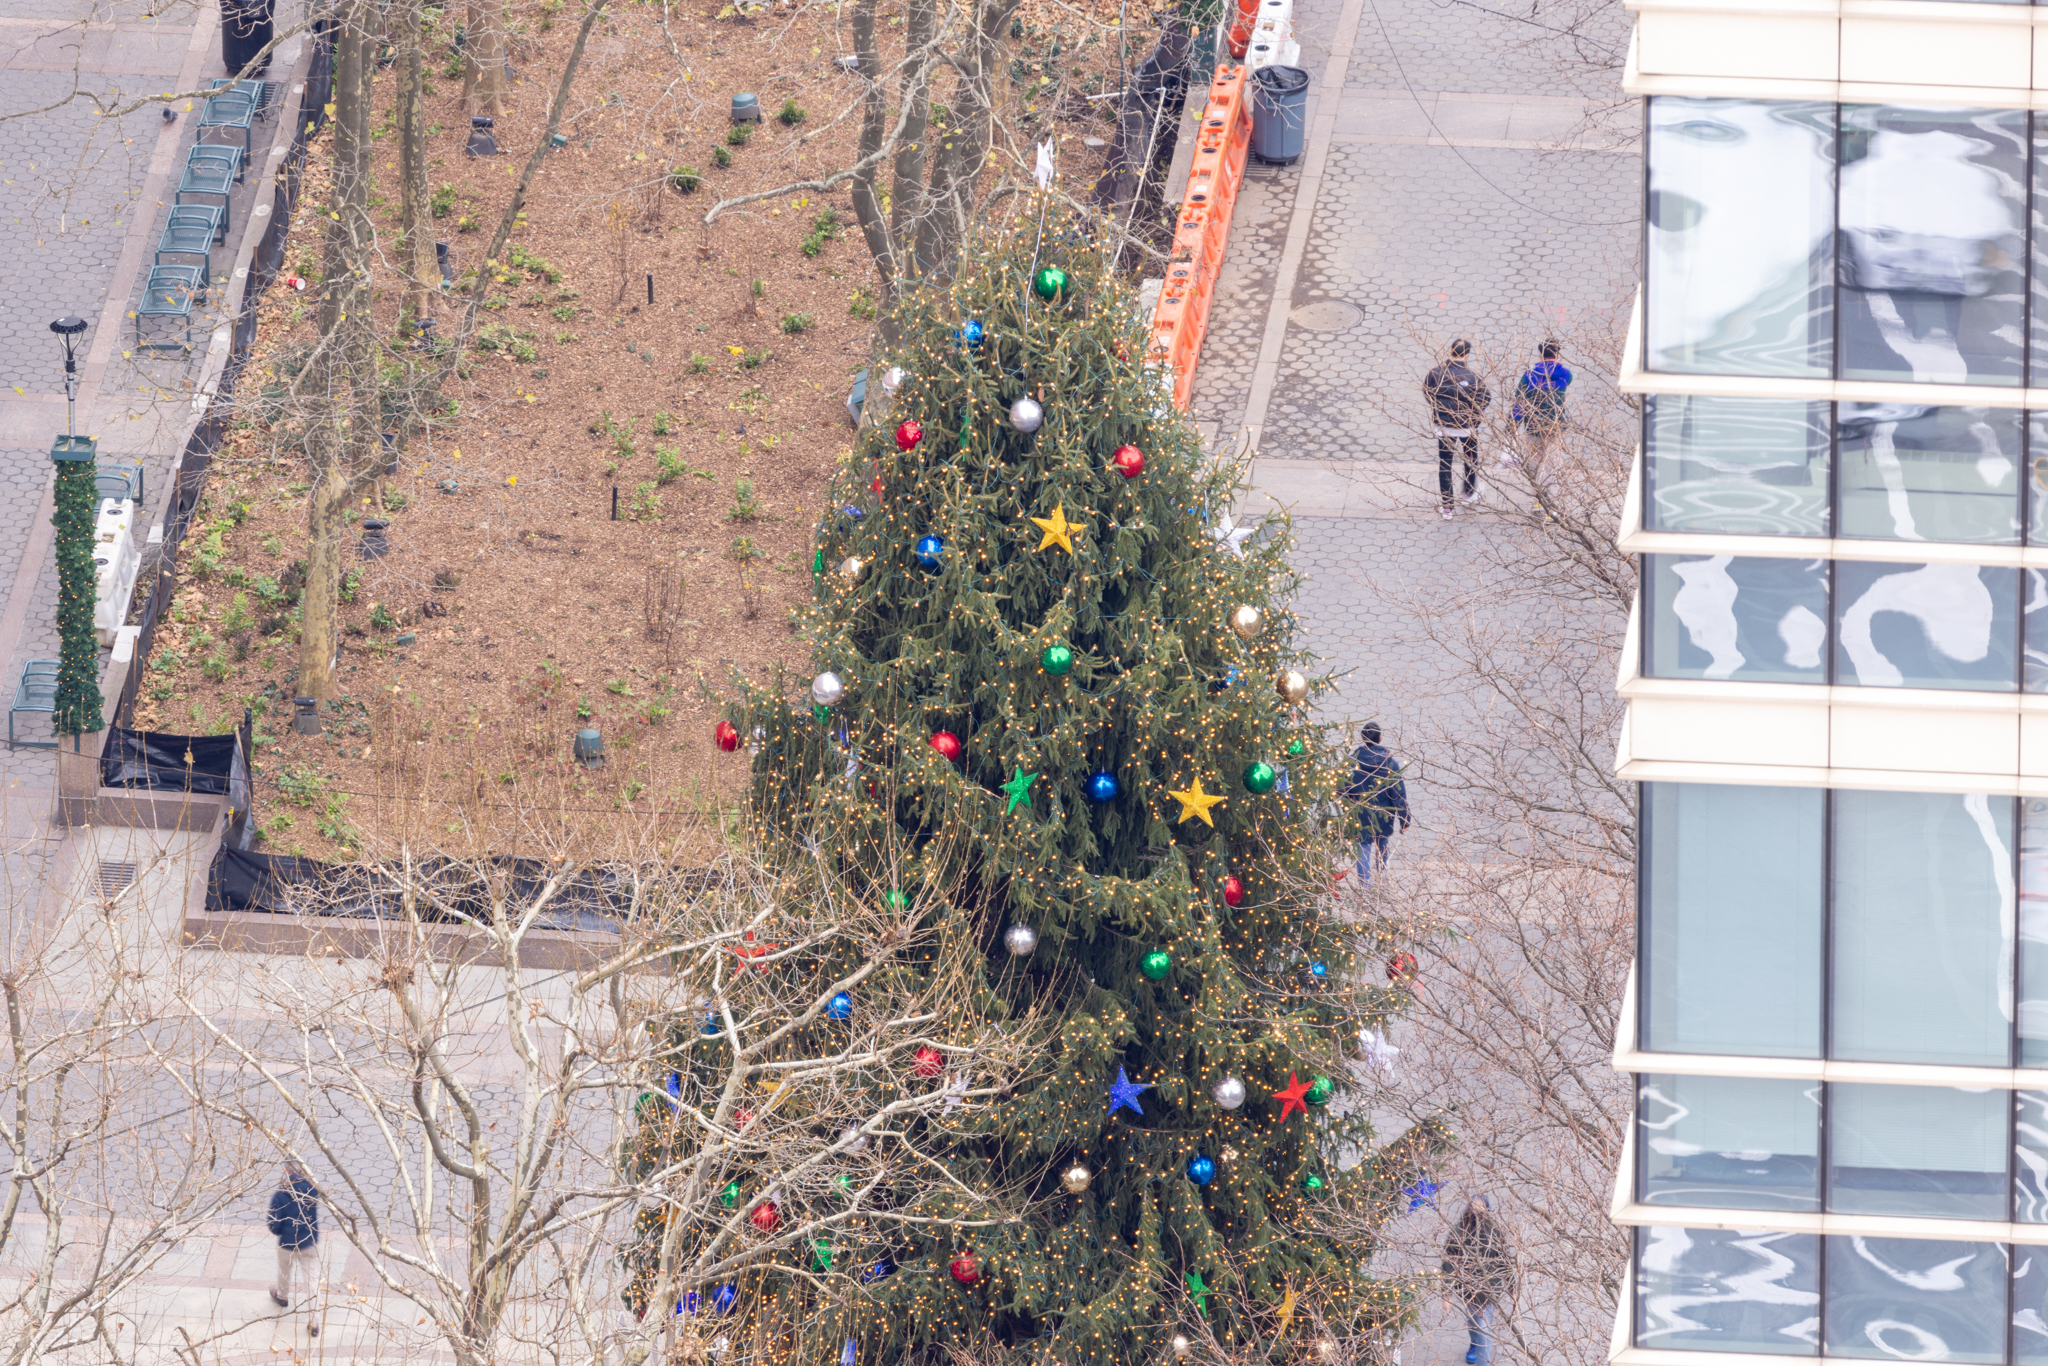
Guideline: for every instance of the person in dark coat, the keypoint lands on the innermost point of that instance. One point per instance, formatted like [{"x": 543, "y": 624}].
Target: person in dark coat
[
  {"x": 295, "y": 1223},
  {"x": 1383, "y": 800},
  {"x": 1479, "y": 1263},
  {"x": 1457, "y": 401}
]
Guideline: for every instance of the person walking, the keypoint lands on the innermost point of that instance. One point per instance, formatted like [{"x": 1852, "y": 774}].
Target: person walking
[
  {"x": 1457, "y": 401},
  {"x": 295, "y": 1223},
  {"x": 1539, "y": 403},
  {"x": 1377, "y": 786},
  {"x": 1480, "y": 1265}
]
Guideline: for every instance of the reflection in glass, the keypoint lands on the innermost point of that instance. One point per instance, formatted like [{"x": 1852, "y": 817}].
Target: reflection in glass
[
  {"x": 1748, "y": 618},
  {"x": 2033, "y": 987},
  {"x": 1915, "y": 1298},
  {"x": 1931, "y": 240},
  {"x": 1927, "y": 626},
  {"x": 1725, "y": 870},
  {"x": 2030, "y": 1157},
  {"x": 2030, "y": 1306},
  {"x": 1922, "y": 934},
  {"x": 1741, "y": 228},
  {"x": 1749, "y": 466},
  {"x": 2040, "y": 271},
  {"x": 1728, "y": 1142},
  {"x": 1724, "y": 1290},
  {"x": 1931, "y": 1152},
  {"x": 2037, "y": 444},
  {"x": 1917, "y": 472}
]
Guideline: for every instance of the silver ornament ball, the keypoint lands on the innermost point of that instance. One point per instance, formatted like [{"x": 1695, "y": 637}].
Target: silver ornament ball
[
  {"x": 1247, "y": 621},
  {"x": 892, "y": 379},
  {"x": 827, "y": 690},
  {"x": 1076, "y": 1179},
  {"x": 1181, "y": 1347},
  {"x": 1229, "y": 1093},
  {"x": 1026, "y": 415},
  {"x": 853, "y": 569},
  {"x": 1020, "y": 940},
  {"x": 1326, "y": 1350}
]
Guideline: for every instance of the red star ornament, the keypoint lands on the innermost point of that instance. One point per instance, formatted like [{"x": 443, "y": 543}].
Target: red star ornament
[
  {"x": 750, "y": 952},
  {"x": 1293, "y": 1096}
]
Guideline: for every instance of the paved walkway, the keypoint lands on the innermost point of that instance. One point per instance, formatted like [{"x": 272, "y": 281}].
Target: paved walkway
[{"x": 1463, "y": 178}]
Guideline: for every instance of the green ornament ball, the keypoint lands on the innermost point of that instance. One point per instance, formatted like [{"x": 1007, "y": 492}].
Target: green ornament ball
[
  {"x": 1049, "y": 282},
  {"x": 1260, "y": 777},
  {"x": 1157, "y": 964},
  {"x": 1057, "y": 659},
  {"x": 730, "y": 1196},
  {"x": 821, "y": 1253},
  {"x": 896, "y": 901},
  {"x": 1295, "y": 749},
  {"x": 1320, "y": 1092},
  {"x": 1312, "y": 1183}
]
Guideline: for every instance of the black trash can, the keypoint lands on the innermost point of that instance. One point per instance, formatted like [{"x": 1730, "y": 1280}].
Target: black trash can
[
  {"x": 1279, "y": 113},
  {"x": 246, "y": 28}
]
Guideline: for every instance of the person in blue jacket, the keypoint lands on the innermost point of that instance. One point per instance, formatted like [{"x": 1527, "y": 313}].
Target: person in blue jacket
[
  {"x": 1377, "y": 786},
  {"x": 295, "y": 1223},
  {"x": 1539, "y": 403}
]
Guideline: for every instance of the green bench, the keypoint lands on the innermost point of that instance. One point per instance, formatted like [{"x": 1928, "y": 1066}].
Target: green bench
[{"x": 37, "y": 692}]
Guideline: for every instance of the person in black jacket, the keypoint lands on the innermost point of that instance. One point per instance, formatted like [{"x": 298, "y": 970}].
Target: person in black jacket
[
  {"x": 1377, "y": 786},
  {"x": 295, "y": 1223},
  {"x": 1457, "y": 401},
  {"x": 1479, "y": 1263}
]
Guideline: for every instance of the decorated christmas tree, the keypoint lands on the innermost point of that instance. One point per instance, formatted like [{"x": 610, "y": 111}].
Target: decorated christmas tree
[{"x": 1058, "y": 726}]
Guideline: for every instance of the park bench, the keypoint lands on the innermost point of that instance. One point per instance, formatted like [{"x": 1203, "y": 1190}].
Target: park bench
[
  {"x": 230, "y": 109},
  {"x": 191, "y": 230},
  {"x": 169, "y": 293},
  {"x": 37, "y": 692}
]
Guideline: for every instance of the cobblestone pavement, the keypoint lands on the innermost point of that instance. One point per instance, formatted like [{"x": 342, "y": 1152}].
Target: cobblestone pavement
[{"x": 1466, "y": 176}]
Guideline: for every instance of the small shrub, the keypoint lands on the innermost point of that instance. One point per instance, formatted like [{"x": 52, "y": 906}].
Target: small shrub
[
  {"x": 744, "y": 550},
  {"x": 751, "y": 360},
  {"x": 737, "y": 135},
  {"x": 861, "y": 304},
  {"x": 564, "y": 313},
  {"x": 237, "y": 618},
  {"x": 619, "y": 687},
  {"x": 381, "y": 619},
  {"x": 523, "y": 351},
  {"x": 744, "y": 506},
  {"x": 215, "y": 667},
  {"x": 568, "y": 338},
  {"x": 686, "y": 179},
  {"x": 720, "y": 157},
  {"x": 669, "y": 465},
  {"x": 583, "y": 709},
  {"x": 663, "y": 424},
  {"x": 646, "y": 504},
  {"x": 394, "y": 501},
  {"x": 699, "y": 364},
  {"x": 795, "y": 324},
  {"x": 442, "y": 202},
  {"x": 351, "y": 584},
  {"x": 791, "y": 114},
  {"x": 758, "y": 290}
]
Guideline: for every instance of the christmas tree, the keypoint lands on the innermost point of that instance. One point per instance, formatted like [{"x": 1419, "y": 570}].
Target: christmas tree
[{"x": 1057, "y": 724}]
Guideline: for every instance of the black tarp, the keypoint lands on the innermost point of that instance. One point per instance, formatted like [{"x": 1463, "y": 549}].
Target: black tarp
[
  {"x": 156, "y": 762},
  {"x": 450, "y": 891}
]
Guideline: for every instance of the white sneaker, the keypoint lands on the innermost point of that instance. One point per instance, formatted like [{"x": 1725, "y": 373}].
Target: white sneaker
[
  {"x": 1446, "y": 511},
  {"x": 1509, "y": 459},
  {"x": 1473, "y": 496}
]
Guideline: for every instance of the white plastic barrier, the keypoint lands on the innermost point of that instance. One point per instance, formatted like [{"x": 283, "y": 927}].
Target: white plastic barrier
[
  {"x": 1272, "y": 42},
  {"x": 116, "y": 559}
]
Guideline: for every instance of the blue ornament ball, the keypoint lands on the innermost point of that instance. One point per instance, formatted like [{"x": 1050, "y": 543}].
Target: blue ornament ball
[
  {"x": 710, "y": 1026},
  {"x": 884, "y": 1267},
  {"x": 970, "y": 333},
  {"x": 853, "y": 513},
  {"x": 840, "y": 1007},
  {"x": 1319, "y": 970},
  {"x": 724, "y": 1298},
  {"x": 1102, "y": 788},
  {"x": 689, "y": 1303},
  {"x": 929, "y": 548},
  {"x": 1201, "y": 1169}
]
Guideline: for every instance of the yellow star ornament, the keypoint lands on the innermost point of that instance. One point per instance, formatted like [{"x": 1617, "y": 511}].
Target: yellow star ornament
[
  {"x": 1058, "y": 530},
  {"x": 1287, "y": 1310},
  {"x": 1195, "y": 802}
]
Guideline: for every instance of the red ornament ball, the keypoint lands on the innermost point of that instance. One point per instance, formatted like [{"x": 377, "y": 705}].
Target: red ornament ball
[
  {"x": 743, "y": 1118},
  {"x": 1129, "y": 461},
  {"x": 947, "y": 744},
  {"x": 930, "y": 1062},
  {"x": 909, "y": 434},
  {"x": 766, "y": 1216},
  {"x": 965, "y": 1269},
  {"x": 727, "y": 736},
  {"x": 1233, "y": 892},
  {"x": 1401, "y": 967}
]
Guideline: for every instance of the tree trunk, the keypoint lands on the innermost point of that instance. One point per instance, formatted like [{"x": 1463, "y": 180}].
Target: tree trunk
[
  {"x": 483, "y": 76},
  {"x": 962, "y": 150},
  {"x": 874, "y": 117},
  {"x": 415, "y": 246},
  {"x": 908, "y": 198}
]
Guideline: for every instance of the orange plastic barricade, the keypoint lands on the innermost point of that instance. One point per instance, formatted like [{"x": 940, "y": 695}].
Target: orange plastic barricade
[
  {"x": 1202, "y": 232},
  {"x": 1241, "y": 25}
]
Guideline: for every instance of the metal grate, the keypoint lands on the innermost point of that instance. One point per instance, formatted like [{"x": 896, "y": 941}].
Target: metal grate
[{"x": 115, "y": 878}]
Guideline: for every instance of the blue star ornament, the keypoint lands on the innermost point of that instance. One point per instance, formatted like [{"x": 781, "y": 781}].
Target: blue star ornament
[
  {"x": 846, "y": 1353},
  {"x": 1423, "y": 1192},
  {"x": 1123, "y": 1093}
]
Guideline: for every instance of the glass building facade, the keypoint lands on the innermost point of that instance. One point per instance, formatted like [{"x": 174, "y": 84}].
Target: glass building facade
[{"x": 1839, "y": 1035}]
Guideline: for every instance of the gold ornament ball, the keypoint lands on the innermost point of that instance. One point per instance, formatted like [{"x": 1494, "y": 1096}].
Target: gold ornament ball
[
  {"x": 1229, "y": 1152},
  {"x": 1247, "y": 621},
  {"x": 1181, "y": 1347},
  {"x": 1326, "y": 1350},
  {"x": 1076, "y": 1179},
  {"x": 852, "y": 568},
  {"x": 1292, "y": 684}
]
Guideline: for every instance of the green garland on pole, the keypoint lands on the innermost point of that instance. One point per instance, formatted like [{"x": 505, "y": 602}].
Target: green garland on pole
[{"x": 78, "y": 652}]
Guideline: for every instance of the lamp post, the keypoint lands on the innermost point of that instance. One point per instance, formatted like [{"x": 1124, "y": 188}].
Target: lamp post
[{"x": 77, "y": 497}]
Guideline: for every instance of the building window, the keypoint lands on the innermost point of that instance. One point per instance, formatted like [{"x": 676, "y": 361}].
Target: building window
[
  {"x": 1728, "y": 1142},
  {"x": 1913, "y": 1298},
  {"x": 1925, "y": 1152},
  {"x": 1927, "y": 626},
  {"x": 1726, "y": 871},
  {"x": 1725, "y": 1290},
  {"x": 1738, "y": 617},
  {"x": 1741, "y": 210},
  {"x": 1744, "y": 466},
  {"x": 2032, "y": 1010},
  {"x": 1921, "y": 934},
  {"x": 1932, "y": 237},
  {"x": 1919, "y": 472}
]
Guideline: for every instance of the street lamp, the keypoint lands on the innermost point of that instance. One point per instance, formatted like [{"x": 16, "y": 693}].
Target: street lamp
[{"x": 68, "y": 330}]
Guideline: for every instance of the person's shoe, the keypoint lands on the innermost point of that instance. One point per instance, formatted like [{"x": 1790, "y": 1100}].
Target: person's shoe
[
  {"x": 1446, "y": 511},
  {"x": 312, "y": 1330},
  {"x": 1473, "y": 496},
  {"x": 1471, "y": 1356},
  {"x": 280, "y": 1301}
]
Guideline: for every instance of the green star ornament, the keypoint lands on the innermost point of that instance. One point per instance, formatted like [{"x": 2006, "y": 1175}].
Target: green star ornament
[
  {"x": 1019, "y": 789},
  {"x": 1198, "y": 1292}
]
